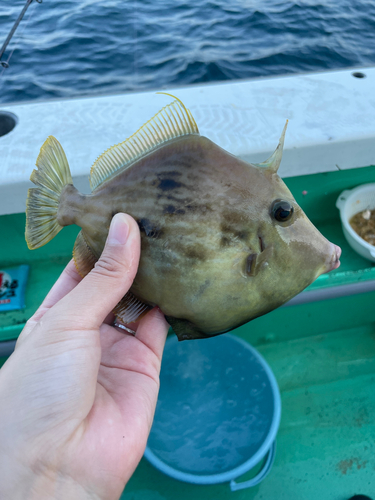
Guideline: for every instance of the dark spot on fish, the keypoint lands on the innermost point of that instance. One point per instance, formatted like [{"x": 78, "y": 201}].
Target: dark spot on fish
[
  {"x": 240, "y": 234},
  {"x": 225, "y": 228},
  {"x": 169, "y": 184},
  {"x": 150, "y": 230},
  {"x": 233, "y": 218},
  {"x": 203, "y": 287},
  {"x": 169, "y": 209},
  {"x": 225, "y": 241},
  {"x": 197, "y": 253},
  {"x": 172, "y": 210}
]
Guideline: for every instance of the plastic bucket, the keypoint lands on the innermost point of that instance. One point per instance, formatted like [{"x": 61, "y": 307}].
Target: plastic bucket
[{"x": 217, "y": 414}]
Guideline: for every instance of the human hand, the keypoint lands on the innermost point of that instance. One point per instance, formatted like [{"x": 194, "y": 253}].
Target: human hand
[{"x": 77, "y": 397}]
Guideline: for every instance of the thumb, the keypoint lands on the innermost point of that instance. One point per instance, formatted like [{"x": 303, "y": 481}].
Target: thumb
[{"x": 99, "y": 292}]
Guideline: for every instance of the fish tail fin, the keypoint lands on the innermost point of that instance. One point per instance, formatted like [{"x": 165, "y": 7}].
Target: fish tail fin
[{"x": 42, "y": 203}]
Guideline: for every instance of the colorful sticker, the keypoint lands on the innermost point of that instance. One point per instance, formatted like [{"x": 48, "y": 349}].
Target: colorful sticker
[{"x": 12, "y": 288}]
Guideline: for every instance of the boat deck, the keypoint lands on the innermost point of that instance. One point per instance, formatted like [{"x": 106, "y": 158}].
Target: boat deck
[{"x": 325, "y": 444}]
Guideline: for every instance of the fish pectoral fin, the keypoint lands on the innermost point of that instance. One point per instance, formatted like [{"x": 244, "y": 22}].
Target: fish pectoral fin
[
  {"x": 83, "y": 257},
  {"x": 256, "y": 261},
  {"x": 130, "y": 309}
]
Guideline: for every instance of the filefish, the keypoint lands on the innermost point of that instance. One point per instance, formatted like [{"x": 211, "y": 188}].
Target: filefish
[{"x": 223, "y": 241}]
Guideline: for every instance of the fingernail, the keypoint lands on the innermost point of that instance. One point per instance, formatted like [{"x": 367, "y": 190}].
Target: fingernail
[{"x": 118, "y": 231}]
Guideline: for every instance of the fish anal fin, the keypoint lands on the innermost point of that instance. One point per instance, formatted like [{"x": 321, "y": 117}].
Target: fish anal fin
[
  {"x": 83, "y": 257},
  {"x": 130, "y": 309},
  {"x": 172, "y": 121}
]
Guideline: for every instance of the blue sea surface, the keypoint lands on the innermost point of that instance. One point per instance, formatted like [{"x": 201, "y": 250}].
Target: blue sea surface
[{"x": 86, "y": 47}]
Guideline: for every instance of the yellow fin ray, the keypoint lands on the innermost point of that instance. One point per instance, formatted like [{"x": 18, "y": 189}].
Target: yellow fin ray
[
  {"x": 172, "y": 121},
  {"x": 42, "y": 203}
]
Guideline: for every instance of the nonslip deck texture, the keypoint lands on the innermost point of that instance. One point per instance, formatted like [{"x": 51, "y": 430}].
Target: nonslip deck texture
[{"x": 322, "y": 354}]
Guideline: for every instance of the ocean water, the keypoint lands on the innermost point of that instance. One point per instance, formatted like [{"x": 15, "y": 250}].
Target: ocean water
[{"x": 86, "y": 47}]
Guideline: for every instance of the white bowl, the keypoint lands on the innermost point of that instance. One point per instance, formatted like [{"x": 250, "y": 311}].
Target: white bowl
[{"x": 350, "y": 202}]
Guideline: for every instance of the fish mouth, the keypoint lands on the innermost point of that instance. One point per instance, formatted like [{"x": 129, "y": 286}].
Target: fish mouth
[{"x": 334, "y": 261}]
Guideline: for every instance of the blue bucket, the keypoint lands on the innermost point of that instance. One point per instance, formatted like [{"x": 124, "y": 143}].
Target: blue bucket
[{"x": 217, "y": 414}]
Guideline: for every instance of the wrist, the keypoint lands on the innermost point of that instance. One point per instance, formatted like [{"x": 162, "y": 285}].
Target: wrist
[
  {"x": 57, "y": 488},
  {"x": 21, "y": 484}
]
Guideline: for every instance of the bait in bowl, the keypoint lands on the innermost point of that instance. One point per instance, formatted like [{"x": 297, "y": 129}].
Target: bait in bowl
[{"x": 350, "y": 202}]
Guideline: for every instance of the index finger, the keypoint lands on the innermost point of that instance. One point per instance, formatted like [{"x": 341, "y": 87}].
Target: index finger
[{"x": 67, "y": 280}]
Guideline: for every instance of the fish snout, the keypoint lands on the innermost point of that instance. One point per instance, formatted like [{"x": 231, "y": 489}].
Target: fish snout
[{"x": 334, "y": 261}]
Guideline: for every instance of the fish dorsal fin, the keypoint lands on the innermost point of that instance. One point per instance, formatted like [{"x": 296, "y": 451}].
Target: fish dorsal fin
[
  {"x": 172, "y": 121},
  {"x": 273, "y": 162}
]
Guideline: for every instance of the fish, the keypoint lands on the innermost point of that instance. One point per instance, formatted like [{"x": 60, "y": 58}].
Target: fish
[{"x": 223, "y": 241}]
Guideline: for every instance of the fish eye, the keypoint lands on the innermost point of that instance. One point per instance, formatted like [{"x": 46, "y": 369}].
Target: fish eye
[{"x": 282, "y": 210}]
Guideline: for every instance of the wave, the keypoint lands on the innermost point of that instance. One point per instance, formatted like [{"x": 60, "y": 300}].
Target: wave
[{"x": 96, "y": 46}]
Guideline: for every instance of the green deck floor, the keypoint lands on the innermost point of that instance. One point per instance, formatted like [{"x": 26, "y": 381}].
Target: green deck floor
[
  {"x": 322, "y": 354},
  {"x": 325, "y": 445}
]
